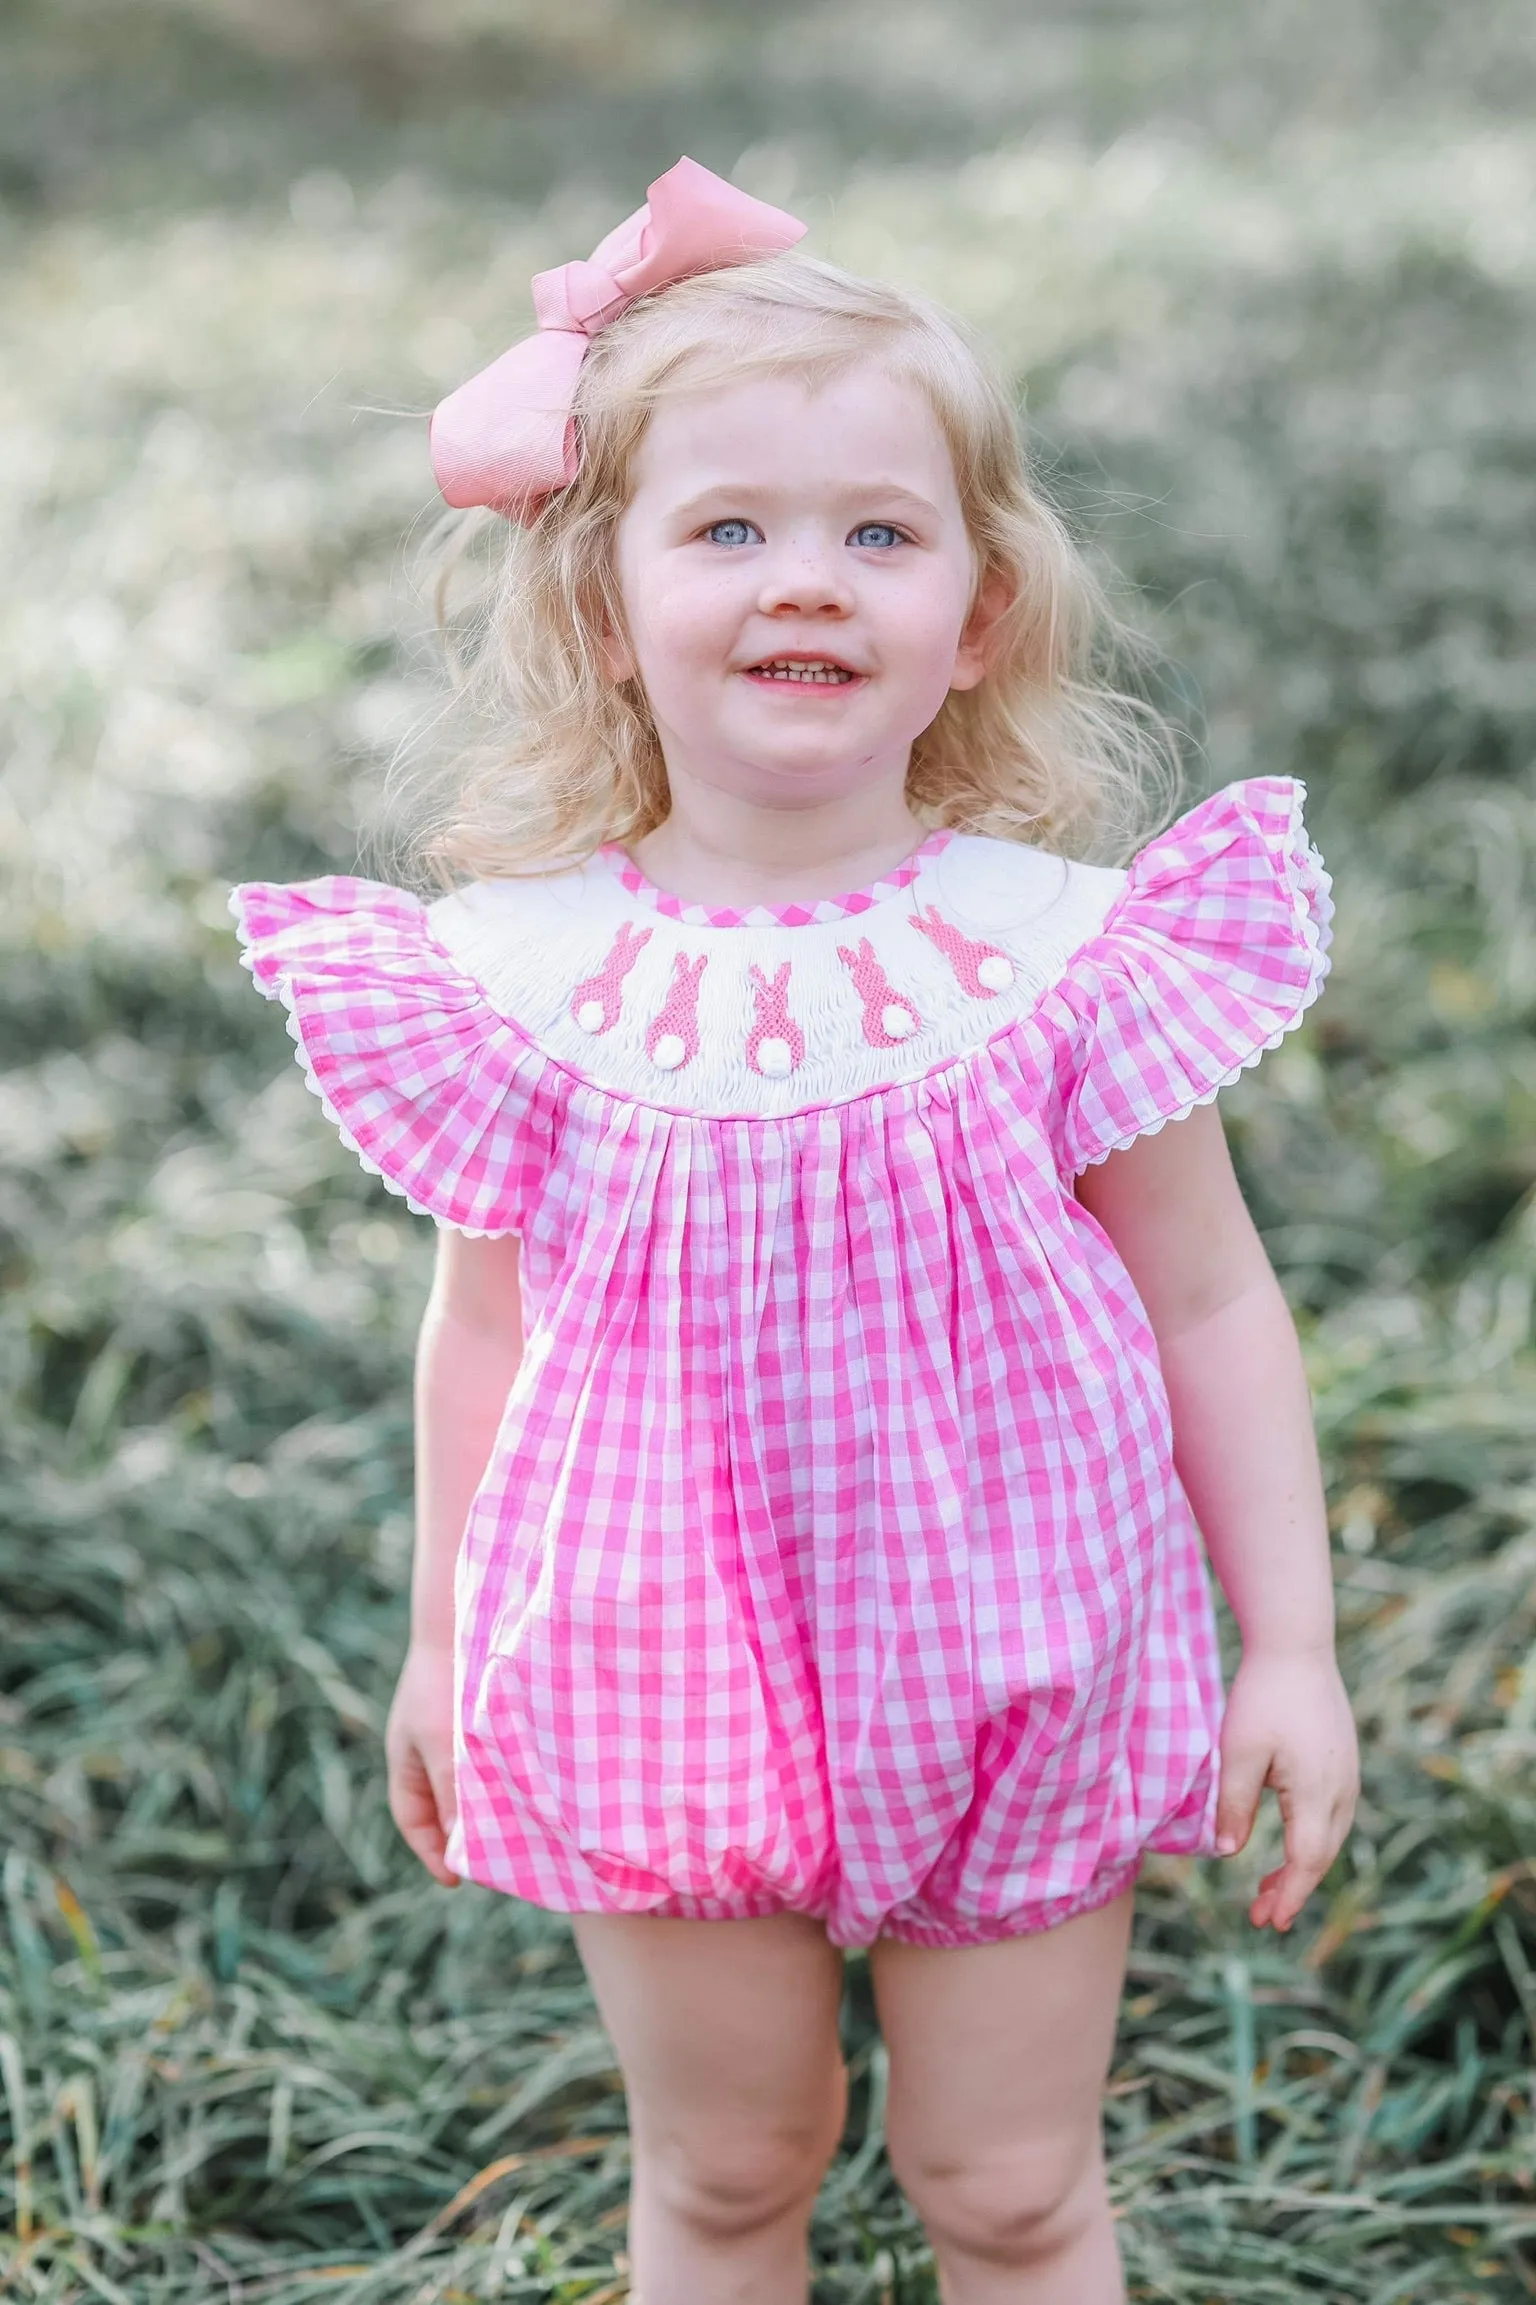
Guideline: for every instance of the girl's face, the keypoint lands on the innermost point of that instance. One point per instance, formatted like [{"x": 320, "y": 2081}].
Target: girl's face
[{"x": 796, "y": 579}]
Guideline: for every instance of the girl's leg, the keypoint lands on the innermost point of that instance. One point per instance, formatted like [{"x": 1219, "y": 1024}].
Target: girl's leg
[
  {"x": 998, "y": 2059},
  {"x": 727, "y": 2037}
]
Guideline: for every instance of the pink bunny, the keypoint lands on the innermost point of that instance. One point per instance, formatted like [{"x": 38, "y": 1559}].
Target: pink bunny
[
  {"x": 775, "y": 1044},
  {"x": 981, "y": 968},
  {"x": 889, "y": 1016},
  {"x": 672, "y": 1036},
  {"x": 595, "y": 1002}
]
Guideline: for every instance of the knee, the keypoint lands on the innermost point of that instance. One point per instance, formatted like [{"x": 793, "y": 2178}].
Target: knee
[
  {"x": 733, "y": 2183},
  {"x": 1012, "y": 2208}
]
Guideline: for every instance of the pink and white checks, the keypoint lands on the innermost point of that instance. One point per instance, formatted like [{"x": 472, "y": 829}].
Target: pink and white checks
[{"x": 831, "y": 1554}]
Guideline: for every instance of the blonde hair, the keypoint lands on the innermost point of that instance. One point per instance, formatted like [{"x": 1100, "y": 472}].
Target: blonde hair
[{"x": 558, "y": 757}]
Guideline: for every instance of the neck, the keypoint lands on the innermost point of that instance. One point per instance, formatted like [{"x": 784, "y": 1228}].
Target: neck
[{"x": 718, "y": 848}]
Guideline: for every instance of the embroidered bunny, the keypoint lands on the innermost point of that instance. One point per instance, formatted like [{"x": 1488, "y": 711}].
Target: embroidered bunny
[
  {"x": 980, "y": 968},
  {"x": 595, "y": 1002},
  {"x": 672, "y": 1036},
  {"x": 775, "y": 1044},
  {"x": 889, "y": 1016}
]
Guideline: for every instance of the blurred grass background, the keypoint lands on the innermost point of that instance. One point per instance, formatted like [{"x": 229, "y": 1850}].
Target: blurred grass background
[{"x": 1266, "y": 273}]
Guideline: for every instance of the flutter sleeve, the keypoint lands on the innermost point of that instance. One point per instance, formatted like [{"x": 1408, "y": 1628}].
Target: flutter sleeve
[
  {"x": 432, "y": 1089},
  {"x": 1215, "y": 947}
]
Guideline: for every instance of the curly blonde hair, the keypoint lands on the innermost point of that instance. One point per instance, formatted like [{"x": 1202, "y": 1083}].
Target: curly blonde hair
[{"x": 541, "y": 756}]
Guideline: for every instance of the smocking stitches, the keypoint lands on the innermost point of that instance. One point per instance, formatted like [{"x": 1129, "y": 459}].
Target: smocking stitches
[
  {"x": 595, "y": 1002},
  {"x": 889, "y": 1017},
  {"x": 983, "y": 969},
  {"x": 775, "y": 1045},
  {"x": 672, "y": 1036},
  {"x": 622, "y": 997}
]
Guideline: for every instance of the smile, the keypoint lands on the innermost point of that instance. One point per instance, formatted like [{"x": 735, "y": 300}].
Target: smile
[{"x": 814, "y": 672}]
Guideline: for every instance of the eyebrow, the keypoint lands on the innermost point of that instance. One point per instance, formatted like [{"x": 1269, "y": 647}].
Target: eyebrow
[{"x": 888, "y": 492}]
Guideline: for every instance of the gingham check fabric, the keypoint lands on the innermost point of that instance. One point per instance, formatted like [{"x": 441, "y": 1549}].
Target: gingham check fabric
[{"x": 831, "y": 1555}]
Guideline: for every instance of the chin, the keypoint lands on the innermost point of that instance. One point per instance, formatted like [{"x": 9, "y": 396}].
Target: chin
[{"x": 815, "y": 748}]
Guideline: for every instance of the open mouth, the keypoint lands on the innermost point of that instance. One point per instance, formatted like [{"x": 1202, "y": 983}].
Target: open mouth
[{"x": 803, "y": 672}]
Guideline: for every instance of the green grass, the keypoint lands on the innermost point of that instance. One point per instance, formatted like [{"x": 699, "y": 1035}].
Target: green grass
[{"x": 1268, "y": 277}]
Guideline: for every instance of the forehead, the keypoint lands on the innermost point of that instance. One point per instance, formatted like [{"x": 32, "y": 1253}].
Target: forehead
[{"x": 786, "y": 431}]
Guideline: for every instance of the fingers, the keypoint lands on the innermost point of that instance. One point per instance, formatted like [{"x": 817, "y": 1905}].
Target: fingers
[
  {"x": 1244, "y": 1769},
  {"x": 1287, "y": 1725},
  {"x": 439, "y": 1765},
  {"x": 1314, "y": 1835},
  {"x": 423, "y": 1809},
  {"x": 1316, "y": 1821}
]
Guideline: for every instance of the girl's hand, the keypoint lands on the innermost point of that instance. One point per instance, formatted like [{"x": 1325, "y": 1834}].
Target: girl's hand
[
  {"x": 1288, "y": 1725},
  {"x": 418, "y": 1746}
]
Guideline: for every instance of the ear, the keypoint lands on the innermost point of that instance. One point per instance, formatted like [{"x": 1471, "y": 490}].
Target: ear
[
  {"x": 600, "y": 611},
  {"x": 974, "y": 652},
  {"x": 617, "y": 656}
]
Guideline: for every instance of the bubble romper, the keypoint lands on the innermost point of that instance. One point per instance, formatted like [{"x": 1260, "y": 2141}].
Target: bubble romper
[{"x": 830, "y": 1556}]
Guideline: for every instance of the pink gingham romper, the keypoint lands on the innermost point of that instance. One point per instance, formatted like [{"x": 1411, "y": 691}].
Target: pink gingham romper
[{"x": 830, "y": 1556}]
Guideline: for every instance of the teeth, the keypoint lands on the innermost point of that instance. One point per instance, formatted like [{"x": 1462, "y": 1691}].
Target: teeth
[{"x": 827, "y": 674}]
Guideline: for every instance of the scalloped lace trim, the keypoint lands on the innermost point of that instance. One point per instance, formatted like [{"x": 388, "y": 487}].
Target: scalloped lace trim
[
  {"x": 1311, "y": 888},
  {"x": 285, "y": 994}
]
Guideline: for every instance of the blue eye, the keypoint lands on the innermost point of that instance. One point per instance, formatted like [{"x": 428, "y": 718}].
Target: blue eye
[
  {"x": 733, "y": 532},
  {"x": 876, "y": 534}
]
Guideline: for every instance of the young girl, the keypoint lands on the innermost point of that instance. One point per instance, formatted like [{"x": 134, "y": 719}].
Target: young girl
[{"x": 832, "y": 1354}]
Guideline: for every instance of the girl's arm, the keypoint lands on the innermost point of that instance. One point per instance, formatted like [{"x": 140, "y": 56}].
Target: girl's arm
[
  {"x": 1245, "y": 1451},
  {"x": 467, "y": 1355}
]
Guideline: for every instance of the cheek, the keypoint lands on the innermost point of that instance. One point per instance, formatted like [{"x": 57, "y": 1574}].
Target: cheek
[
  {"x": 681, "y": 623},
  {"x": 925, "y": 626}
]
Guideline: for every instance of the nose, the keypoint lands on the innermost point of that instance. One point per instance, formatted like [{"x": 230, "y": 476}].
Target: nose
[{"x": 806, "y": 578}]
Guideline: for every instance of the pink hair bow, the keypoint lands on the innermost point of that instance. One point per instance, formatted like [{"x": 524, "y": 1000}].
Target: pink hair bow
[{"x": 506, "y": 438}]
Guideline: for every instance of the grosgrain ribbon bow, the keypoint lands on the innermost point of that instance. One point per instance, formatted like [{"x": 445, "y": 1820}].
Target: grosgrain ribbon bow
[{"x": 506, "y": 438}]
